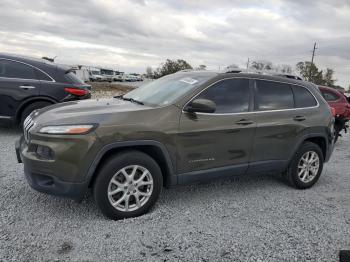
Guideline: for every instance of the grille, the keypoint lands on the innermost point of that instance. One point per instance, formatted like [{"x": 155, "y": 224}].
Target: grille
[{"x": 27, "y": 126}]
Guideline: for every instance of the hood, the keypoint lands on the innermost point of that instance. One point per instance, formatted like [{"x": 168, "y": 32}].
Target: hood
[{"x": 84, "y": 111}]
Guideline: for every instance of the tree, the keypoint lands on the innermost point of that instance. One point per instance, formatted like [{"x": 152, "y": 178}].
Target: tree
[
  {"x": 149, "y": 72},
  {"x": 310, "y": 72},
  {"x": 261, "y": 65},
  {"x": 286, "y": 69},
  {"x": 202, "y": 67},
  {"x": 171, "y": 66},
  {"x": 328, "y": 77}
]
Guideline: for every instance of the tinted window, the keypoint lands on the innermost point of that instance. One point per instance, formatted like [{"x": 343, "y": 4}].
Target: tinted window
[
  {"x": 12, "y": 69},
  {"x": 230, "y": 96},
  {"x": 72, "y": 78},
  {"x": 303, "y": 98},
  {"x": 42, "y": 76},
  {"x": 329, "y": 96},
  {"x": 273, "y": 96}
]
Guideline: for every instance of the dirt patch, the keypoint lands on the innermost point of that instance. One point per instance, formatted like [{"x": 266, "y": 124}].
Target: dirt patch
[{"x": 102, "y": 90}]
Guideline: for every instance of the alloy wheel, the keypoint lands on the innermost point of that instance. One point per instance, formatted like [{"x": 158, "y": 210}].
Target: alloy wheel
[
  {"x": 130, "y": 188},
  {"x": 308, "y": 166}
]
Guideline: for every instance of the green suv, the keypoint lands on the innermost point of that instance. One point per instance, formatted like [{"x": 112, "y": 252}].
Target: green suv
[{"x": 182, "y": 128}]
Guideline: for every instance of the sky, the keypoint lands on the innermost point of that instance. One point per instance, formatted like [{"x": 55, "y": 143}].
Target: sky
[{"x": 131, "y": 35}]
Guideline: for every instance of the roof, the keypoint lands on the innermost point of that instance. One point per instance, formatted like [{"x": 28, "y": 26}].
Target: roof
[{"x": 286, "y": 78}]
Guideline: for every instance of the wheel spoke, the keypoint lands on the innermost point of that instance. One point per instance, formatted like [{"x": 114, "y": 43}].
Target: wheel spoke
[
  {"x": 138, "y": 204},
  {"x": 117, "y": 183},
  {"x": 132, "y": 175},
  {"x": 127, "y": 198},
  {"x": 142, "y": 177},
  {"x": 120, "y": 200},
  {"x": 111, "y": 193},
  {"x": 144, "y": 183},
  {"x": 144, "y": 193}
]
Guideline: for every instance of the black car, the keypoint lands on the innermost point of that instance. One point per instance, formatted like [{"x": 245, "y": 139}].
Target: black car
[{"x": 27, "y": 84}]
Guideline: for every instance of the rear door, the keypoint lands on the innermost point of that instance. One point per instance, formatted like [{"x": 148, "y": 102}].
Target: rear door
[
  {"x": 220, "y": 139},
  {"x": 18, "y": 81},
  {"x": 280, "y": 119}
]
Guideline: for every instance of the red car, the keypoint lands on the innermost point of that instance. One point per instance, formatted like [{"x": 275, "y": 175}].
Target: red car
[{"x": 341, "y": 105}]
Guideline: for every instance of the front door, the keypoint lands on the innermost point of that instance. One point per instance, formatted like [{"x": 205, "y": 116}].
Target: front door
[{"x": 222, "y": 139}]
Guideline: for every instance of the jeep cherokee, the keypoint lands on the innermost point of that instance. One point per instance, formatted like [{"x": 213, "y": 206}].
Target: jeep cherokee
[{"x": 182, "y": 128}]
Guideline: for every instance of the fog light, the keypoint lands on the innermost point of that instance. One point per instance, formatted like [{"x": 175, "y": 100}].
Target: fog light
[{"x": 44, "y": 152}]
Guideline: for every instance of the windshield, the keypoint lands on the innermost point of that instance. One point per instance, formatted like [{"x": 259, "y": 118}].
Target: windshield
[{"x": 166, "y": 90}]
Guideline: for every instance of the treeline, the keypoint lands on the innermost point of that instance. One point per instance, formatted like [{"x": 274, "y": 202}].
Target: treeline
[{"x": 307, "y": 70}]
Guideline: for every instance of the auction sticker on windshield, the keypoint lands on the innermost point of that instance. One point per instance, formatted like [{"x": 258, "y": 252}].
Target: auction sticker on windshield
[{"x": 189, "y": 80}]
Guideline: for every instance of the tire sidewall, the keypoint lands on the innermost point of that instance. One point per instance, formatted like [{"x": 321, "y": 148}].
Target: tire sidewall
[
  {"x": 294, "y": 168},
  {"x": 110, "y": 168}
]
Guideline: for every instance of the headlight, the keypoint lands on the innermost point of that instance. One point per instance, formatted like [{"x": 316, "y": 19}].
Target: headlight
[{"x": 66, "y": 130}]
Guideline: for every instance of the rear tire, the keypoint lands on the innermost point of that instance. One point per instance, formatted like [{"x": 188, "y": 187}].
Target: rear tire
[
  {"x": 121, "y": 192},
  {"x": 30, "y": 108},
  {"x": 306, "y": 167}
]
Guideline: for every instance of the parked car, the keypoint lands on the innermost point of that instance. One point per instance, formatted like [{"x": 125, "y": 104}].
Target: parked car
[
  {"x": 341, "y": 105},
  {"x": 95, "y": 75},
  {"x": 27, "y": 84},
  {"x": 118, "y": 76},
  {"x": 182, "y": 128}
]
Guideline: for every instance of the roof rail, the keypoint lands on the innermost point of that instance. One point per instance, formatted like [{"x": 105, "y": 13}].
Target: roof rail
[{"x": 262, "y": 72}]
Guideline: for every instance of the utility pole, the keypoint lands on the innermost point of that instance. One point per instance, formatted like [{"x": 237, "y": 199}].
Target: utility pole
[
  {"x": 312, "y": 59},
  {"x": 313, "y": 53}
]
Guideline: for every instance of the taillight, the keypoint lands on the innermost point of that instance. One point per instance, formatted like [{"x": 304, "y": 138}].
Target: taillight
[
  {"x": 76, "y": 91},
  {"x": 333, "y": 111}
]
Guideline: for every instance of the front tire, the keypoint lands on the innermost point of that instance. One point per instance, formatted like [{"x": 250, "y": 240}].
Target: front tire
[
  {"x": 127, "y": 185},
  {"x": 306, "y": 166}
]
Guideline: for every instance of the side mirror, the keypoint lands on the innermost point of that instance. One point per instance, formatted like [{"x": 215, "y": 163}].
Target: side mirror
[{"x": 201, "y": 106}]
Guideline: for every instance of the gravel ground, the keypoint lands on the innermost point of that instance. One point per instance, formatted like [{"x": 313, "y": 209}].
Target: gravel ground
[{"x": 247, "y": 218}]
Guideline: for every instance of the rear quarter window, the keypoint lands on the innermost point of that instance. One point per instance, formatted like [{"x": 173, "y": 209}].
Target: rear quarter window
[
  {"x": 273, "y": 96},
  {"x": 303, "y": 97},
  {"x": 42, "y": 76},
  {"x": 72, "y": 78}
]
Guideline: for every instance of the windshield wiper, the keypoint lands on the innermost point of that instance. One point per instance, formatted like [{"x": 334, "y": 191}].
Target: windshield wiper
[{"x": 129, "y": 99}]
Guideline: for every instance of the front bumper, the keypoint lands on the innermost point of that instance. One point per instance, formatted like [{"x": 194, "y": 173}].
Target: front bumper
[{"x": 62, "y": 175}]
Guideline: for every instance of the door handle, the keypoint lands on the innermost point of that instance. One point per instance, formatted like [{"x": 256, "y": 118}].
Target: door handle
[
  {"x": 244, "y": 122},
  {"x": 26, "y": 87},
  {"x": 299, "y": 118}
]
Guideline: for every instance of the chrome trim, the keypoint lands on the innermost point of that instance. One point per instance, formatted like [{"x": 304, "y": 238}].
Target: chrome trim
[
  {"x": 251, "y": 112},
  {"x": 16, "y": 61},
  {"x": 5, "y": 117},
  {"x": 28, "y": 125},
  {"x": 27, "y": 87}
]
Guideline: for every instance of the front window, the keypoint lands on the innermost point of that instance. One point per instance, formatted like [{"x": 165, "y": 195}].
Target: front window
[
  {"x": 166, "y": 90},
  {"x": 230, "y": 96}
]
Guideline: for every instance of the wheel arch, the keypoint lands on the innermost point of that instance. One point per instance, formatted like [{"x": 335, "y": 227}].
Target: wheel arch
[
  {"x": 154, "y": 149},
  {"x": 29, "y": 101},
  {"x": 319, "y": 139}
]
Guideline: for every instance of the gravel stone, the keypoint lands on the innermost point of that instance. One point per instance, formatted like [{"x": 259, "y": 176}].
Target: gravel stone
[{"x": 245, "y": 218}]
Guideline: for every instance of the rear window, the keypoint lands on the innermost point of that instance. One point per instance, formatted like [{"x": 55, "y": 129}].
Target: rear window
[
  {"x": 273, "y": 96},
  {"x": 303, "y": 97},
  {"x": 329, "y": 96},
  {"x": 72, "y": 78}
]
